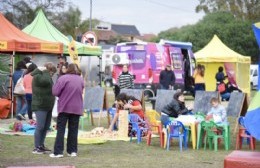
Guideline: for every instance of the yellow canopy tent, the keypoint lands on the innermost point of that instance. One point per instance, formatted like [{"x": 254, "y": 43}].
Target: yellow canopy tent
[{"x": 236, "y": 66}]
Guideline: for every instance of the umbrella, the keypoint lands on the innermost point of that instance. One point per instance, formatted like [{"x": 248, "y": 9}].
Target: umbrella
[{"x": 252, "y": 118}]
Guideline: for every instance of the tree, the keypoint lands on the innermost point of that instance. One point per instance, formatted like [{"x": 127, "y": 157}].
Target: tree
[
  {"x": 243, "y": 9},
  {"x": 22, "y": 12},
  {"x": 236, "y": 33}
]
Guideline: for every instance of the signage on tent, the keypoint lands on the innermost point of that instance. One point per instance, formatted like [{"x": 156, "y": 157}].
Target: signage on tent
[{"x": 89, "y": 38}]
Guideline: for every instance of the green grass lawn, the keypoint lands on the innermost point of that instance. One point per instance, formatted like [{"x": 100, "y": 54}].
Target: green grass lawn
[{"x": 17, "y": 151}]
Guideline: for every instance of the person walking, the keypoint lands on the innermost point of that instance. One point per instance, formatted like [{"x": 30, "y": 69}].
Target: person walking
[
  {"x": 27, "y": 82},
  {"x": 69, "y": 90},
  {"x": 21, "y": 106},
  {"x": 42, "y": 104},
  {"x": 167, "y": 78}
]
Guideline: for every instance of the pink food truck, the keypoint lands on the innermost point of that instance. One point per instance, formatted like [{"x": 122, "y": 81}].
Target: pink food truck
[{"x": 147, "y": 60}]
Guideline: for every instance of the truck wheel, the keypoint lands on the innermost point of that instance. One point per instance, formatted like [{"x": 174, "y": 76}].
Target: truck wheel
[{"x": 148, "y": 93}]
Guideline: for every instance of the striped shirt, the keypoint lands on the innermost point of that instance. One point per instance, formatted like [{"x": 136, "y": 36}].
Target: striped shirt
[{"x": 125, "y": 81}]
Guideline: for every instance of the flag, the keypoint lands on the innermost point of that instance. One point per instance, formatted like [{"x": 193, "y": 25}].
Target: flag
[
  {"x": 73, "y": 51},
  {"x": 256, "y": 29},
  {"x": 252, "y": 118}
]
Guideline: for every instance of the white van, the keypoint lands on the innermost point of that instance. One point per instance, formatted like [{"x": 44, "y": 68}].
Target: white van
[{"x": 254, "y": 76}]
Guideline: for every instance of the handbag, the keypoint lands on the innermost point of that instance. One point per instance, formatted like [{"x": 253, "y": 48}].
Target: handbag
[{"x": 19, "y": 87}]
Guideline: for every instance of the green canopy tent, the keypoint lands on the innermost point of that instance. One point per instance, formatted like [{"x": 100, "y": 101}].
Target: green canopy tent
[{"x": 43, "y": 29}]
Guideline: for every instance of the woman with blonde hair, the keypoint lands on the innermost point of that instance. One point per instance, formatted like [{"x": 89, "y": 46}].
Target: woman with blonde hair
[{"x": 199, "y": 78}]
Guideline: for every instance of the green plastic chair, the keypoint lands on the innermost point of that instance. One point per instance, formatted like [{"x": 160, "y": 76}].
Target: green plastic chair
[
  {"x": 211, "y": 130},
  {"x": 85, "y": 116}
]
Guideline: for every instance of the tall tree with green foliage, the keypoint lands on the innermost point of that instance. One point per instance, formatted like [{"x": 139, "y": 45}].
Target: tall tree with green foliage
[
  {"x": 22, "y": 12},
  {"x": 235, "y": 33},
  {"x": 243, "y": 9}
]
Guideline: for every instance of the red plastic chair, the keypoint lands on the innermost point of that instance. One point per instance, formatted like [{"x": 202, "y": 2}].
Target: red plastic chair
[
  {"x": 243, "y": 133},
  {"x": 155, "y": 126}
]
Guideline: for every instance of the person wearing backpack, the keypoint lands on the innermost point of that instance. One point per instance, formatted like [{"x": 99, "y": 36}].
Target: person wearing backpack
[{"x": 21, "y": 105}]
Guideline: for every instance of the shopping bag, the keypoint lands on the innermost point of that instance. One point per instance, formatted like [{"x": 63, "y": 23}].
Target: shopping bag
[{"x": 19, "y": 87}]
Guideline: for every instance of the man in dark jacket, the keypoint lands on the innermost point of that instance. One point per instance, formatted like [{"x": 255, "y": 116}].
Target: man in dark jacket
[
  {"x": 175, "y": 108},
  {"x": 167, "y": 78}
]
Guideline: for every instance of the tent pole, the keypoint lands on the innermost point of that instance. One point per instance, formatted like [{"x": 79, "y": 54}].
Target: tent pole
[{"x": 11, "y": 82}]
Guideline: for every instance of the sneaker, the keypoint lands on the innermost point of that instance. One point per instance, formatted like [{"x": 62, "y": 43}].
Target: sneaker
[
  {"x": 21, "y": 117},
  {"x": 45, "y": 148},
  {"x": 38, "y": 151},
  {"x": 56, "y": 155},
  {"x": 73, "y": 154}
]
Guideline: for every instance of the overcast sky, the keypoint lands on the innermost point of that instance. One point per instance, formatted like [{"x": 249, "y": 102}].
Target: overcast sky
[{"x": 149, "y": 16}]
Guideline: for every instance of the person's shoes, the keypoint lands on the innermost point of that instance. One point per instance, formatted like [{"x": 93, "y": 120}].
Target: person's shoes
[
  {"x": 21, "y": 117},
  {"x": 56, "y": 155},
  {"x": 45, "y": 148},
  {"x": 73, "y": 154},
  {"x": 38, "y": 150}
]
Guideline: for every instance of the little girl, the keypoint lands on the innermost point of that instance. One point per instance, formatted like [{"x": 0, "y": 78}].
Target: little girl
[{"x": 217, "y": 112}]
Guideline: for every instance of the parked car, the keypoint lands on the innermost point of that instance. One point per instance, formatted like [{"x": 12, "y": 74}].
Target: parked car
[{"x": 254, "y": 76}]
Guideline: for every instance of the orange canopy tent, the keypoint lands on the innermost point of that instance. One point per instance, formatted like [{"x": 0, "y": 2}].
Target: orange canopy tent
[{"x": 14, "y": 40}]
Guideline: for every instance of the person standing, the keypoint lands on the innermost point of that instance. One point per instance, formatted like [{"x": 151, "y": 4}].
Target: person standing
[
  {"x": 125, "y": 80},
  {"x": 27, "y": 82},
  {"x": 21, "y": 105},
  {"x": 42, "y": 104},
  {"x": 69, "y": 90},
  {"x": 199, "y": 78},
  {"x": 167, "y": 78}
]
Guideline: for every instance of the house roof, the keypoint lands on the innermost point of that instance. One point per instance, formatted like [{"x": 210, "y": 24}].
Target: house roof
[
  {"x": 104, "y": 34},
  {"x": 125, "y": 29}
]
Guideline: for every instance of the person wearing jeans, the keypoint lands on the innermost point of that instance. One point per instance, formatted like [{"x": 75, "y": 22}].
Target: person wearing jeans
[
  {"x": 27, "y": 83},
  {"x": 21, "y": 105},
  {"x": 69, "y": 90},
  {"x": 42, "y": 104}
]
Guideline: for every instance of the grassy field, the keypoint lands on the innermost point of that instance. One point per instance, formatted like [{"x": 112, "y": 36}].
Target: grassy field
[{"x": 16, "y": 151}]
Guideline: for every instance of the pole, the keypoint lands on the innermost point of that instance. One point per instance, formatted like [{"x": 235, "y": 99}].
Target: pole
[
  {"x": 11, "y": 84},
  {"x": 90, "y": 16},
  {"x": 90, "y": 29}
]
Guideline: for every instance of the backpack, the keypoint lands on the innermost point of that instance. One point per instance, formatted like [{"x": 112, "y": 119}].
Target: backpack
[{"x": 221, "y": 87}]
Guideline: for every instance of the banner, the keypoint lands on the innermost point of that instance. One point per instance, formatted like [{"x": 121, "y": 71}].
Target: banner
[
  {"x": 231, "y": 72},
  {"x": 256, "y": 29},
  {"x": 73, "y": 51}
]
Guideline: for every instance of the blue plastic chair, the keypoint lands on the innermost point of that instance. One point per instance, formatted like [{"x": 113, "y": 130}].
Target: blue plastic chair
[
  {"x": 136, "y": 121},
  {"x": 177, "y": 130},
  {"x": 112, "y": 112}
]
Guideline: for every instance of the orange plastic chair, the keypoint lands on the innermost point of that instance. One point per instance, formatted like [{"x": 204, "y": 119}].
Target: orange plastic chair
[
  {"x": 243, "y": 133},
  {"x": 153, "y": 118}
]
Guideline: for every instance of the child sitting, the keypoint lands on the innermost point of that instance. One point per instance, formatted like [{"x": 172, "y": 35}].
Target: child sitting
[{"x": 217, "y": 112}]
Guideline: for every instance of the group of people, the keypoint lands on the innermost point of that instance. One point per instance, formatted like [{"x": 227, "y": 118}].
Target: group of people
[{"x": 40, "y": 97}]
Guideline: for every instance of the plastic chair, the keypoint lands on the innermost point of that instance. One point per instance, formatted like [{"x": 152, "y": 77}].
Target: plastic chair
[
  {"x": 175, "y": 129},
  {"x": 112, "y": 112},
  {"x": 155, "y": 125},
  {"x": 243, "y": 133},
  {"x": 85, "y": 116},
  {"x": 136, "y": 121},
  {"x": 212, "y": 131}
]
